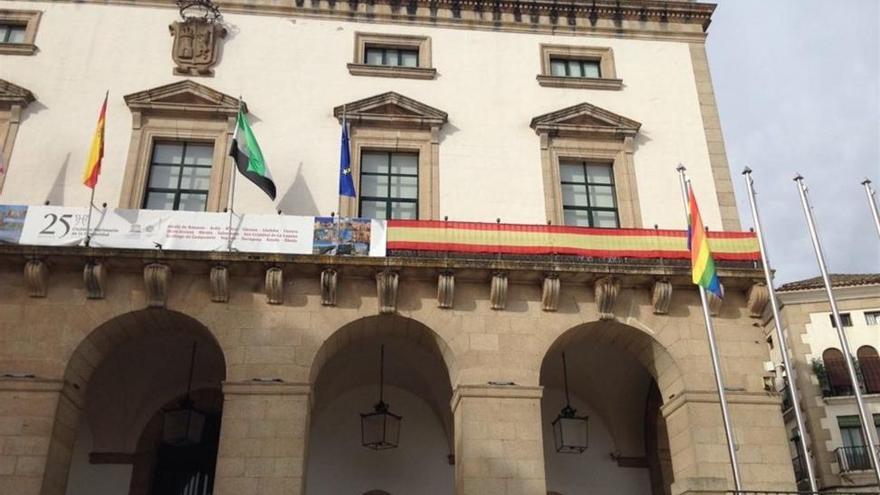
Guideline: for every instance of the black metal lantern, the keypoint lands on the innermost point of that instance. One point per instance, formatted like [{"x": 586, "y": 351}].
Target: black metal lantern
[
  {"x": 380, "y": 429},
  {"x": 570, "y": 432},
  {"x": 183, "y": 425},
  {"x": 199, "y": 10}
]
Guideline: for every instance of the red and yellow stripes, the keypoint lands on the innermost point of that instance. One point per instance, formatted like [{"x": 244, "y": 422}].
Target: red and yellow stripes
[
  {"x": 96, "y": 154},
  {"x": 470, "y": 237}
]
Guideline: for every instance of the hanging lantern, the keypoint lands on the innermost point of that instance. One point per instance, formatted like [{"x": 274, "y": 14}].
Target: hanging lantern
[
  {"x": 380, "y": 429},
  {"x": 183, "y": 425},
  {"x": 570, "y": 431}
]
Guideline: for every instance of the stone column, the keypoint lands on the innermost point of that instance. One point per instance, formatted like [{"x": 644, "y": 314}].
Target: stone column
[
  {"x": 498, "y": 441},
  {"x": 698, "y": 445},
  {"x": 38, "y": 420},
  {"x": 263, "y": 439}
]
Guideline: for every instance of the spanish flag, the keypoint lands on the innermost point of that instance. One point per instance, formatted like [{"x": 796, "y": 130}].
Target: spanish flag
[
  {"x": 93, "y": 165},
  {"x": 702, "y": 264}
]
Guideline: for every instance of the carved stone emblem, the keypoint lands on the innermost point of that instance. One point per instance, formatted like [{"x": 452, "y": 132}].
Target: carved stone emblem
[{"x": 196, "y": 46}]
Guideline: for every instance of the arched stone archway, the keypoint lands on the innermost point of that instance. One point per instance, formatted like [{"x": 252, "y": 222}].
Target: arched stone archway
[
  {"x": 345, "y": 379},
  {"x": 117, "y": 380},
  {"x": 617, "y": 376}
]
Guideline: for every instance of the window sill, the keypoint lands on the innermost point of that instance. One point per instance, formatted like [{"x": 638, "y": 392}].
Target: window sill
[
  {"x": 389, "y": 71},
  {"x": 580, "y": 82},
  {"x": 18, "y": 48}
]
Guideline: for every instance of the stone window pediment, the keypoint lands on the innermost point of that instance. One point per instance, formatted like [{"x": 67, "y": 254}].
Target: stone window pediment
[
  {"x": 184, "y": 96},
  {"x": 13, "y": 99},
  {"x": 585, "y": 133},
  {"x": 391, "y": 110},
  {"x": 181, "y": 112},
  {"x": 585, "y": 119},
  {"x": 391, "y": 122}
]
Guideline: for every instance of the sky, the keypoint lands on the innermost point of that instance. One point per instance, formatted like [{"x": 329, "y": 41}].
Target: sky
[{"x": 798, "y": 90}]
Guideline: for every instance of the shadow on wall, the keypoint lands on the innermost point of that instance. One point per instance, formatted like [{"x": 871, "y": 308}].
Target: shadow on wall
[
  {"x": 298, "y": 199},
  {"x": 55, "y": 196}
]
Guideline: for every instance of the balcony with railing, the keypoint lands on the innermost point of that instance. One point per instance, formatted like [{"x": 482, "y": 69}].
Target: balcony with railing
[
  {"x": 834, "y": 378},
  {"x": 853, "y": 458},
  {"x": 800, "y": 469}
]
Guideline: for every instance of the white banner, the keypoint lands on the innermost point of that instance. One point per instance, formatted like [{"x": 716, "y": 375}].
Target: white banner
[{"x": 172, "y": 230}]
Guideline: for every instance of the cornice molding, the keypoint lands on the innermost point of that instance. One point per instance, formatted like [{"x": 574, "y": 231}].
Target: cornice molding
[
  {"x": 583, "y": 119},
  {"x": 13, "y": 94},
  {"x": 819, "y": 296},
  {"x": 641, "y": 19},
  {"x": 391, "y": 109},
  {"x": 186, "y": 96}
]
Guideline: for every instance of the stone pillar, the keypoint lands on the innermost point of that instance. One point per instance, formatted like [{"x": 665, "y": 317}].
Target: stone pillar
[
  {"x": 38, "y": 419},
  {"x": 498, "y": 440},
  {"x": 698, "y": 445},
  {"x": 263, "y": 439}
]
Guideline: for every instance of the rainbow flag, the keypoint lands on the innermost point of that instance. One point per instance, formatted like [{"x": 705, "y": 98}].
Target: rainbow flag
[
  {"x": 96, "y": 154},
  {"x": 702, "y": 264}
]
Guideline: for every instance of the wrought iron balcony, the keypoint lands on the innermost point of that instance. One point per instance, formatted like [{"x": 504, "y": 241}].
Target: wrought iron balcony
[
  {"x": 853, "y": 458},
  {"x": 800, "y": 470},
  {"x": 786, "y": 398}
]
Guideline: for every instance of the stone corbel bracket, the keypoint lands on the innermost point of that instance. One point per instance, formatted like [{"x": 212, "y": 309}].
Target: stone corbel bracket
[
  {"x": 446, "y": 290},
  {"x": 550, "y": 293},
  {"x": 498, "y": 291},
  {"x": 715, "y": 302},
  {"x": 661, "y": 297},
  {"x": 274, "y": 285},
  {"x": 157, "y": 278},
  {"x": 94, "y": 279},
  {"x": 36, "y": 277},
  {"x": 757, "y": 299},
  {"x": 219, "y": 284},
  {"x": 387, "y": 283},
  {"x": 606, "y": 290},
  {"x": 329, "y": 282}
]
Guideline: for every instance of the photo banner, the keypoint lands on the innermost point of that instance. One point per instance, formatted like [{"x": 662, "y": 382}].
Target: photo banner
[{"x": 190, "y": 231}]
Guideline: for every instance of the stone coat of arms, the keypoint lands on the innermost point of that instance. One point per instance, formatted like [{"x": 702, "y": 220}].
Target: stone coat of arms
[{"x": 196, "y": 46}]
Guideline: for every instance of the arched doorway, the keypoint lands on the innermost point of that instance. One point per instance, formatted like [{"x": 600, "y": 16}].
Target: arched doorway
[
  {"x": 151, "y": 404},
  {"x": 345, "y": 378},
  {"x": 611, "y": 370}
]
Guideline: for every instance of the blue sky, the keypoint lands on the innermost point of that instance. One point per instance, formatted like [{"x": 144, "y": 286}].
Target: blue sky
[{"x": 798, "y": 89}]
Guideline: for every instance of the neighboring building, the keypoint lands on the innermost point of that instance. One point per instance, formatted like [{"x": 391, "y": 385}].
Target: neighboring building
[
  {"x": 834, "y": 434},
  {"x": 573, "y": 114}
]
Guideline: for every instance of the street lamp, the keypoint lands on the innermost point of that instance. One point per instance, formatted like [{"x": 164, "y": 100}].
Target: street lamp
[
  {"x": 380, "y": 429},
  {"x": 570, "y": 431}
]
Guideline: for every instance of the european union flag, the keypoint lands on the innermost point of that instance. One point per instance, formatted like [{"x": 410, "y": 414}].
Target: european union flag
[{"x": 346, "y": 182}]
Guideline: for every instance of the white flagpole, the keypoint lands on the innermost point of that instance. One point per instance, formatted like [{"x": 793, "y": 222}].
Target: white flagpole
[
  {"x": 780, "y": 334},
  {"x": 873, "y": 204},
  {"x": 713, "y": 351},
  {"x": 867, "y": 420},
  {"x": 232, "y": 180}
]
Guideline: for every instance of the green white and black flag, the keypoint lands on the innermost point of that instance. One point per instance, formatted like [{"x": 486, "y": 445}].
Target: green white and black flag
[{"x": 248, "y": 157}]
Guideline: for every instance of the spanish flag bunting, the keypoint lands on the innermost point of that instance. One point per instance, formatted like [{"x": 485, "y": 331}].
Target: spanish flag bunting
[
  {"x": 702, "y": 264},
  {"x": 96, "y": 154}
]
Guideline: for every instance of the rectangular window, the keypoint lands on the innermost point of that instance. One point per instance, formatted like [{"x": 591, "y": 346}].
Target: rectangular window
[
  {"x": 180, "y": 176},
  {"x": 588, "y": 198},
  {"x": 12, "y": 33},
  {"x": 844, "y": 317},
  {"x": 389, "y": 187},
  {"x": 393, "y": 57},
  {"x": 872, "y": 317},
  {"x": 574, "y": 68}
]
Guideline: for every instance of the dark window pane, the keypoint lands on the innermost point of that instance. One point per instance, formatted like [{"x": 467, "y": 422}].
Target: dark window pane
[
  {"x": 405, "y": 187},
  {"x": 578, "y": 218},
  {"x": 605, "y": 219},
  {"x": 409, "y": 58},
  {"x": 374, "y": 56},
  {"x": 164, "y": 177},
  {"x": 373, "y": 209},
  {"x": 405, "y": 163},
  {"x": 374, "y": 162},
  {"x": 199, "y": 154},
  {"x": 557, "y": 67},
  {"x": 590, "y": 68},
  {"x": 159, "y": 201},
  {"x": 601, "y": 196},
  {"x": 403, "y": 211},
  {"x": 574, "y": 195},
  {"x": 391, "y": 56},
  {"x": 374, "y": 185},
  {"x": 196, "y": 178},
  {"x": 599, "y": 174},
  {"x": 168, "y": 153},
  {"x": 192, "y": 202},
  {"x": 571, "y": 172},
  {"x": 574, "y": 68}
]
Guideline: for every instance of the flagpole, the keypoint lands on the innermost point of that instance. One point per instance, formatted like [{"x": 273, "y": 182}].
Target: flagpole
[
  {"x": 713, "y": 351},
  {"x": 866, "y": 419},
  {"x": 344, "y": 124},
  {"x": 780, "y": 334},
  {"x": 92, "y": 195},
  {"x": 231, "y": 202},
  {"x": 873, "y": 204}
]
